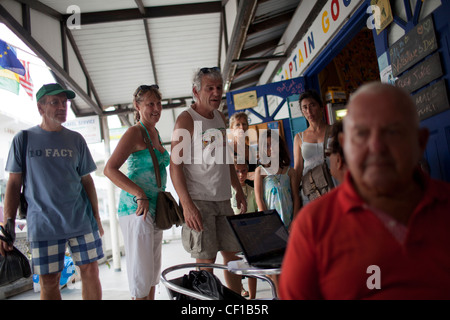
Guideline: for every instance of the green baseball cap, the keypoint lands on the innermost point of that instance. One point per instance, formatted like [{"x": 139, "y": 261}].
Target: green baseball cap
[{"x": 52, "y": 89}]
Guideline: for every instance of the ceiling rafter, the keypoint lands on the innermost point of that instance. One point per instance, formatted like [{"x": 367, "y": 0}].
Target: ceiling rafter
[
  {"x": 42, "y": 8},
  {"x": 149, "y": 12},
  {"x": 246, "y": 12},
  {"x": 263, "y": 25},
  {"x": 269, "y": 45},
  {"x": 143, "y": 11}
]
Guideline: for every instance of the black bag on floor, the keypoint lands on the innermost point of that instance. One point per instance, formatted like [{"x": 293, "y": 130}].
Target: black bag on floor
[
  {"x": 14, "y": 265},
  {"x": 207, "y": 284}
]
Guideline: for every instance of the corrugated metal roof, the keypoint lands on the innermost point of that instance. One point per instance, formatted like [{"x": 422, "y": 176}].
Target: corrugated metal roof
[
  {"x": 180, "y": 45},
  {"x": 122, "y": 44},
  {"x": 116, "y": 56}
]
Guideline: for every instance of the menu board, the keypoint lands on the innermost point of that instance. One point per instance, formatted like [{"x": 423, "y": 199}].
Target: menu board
[
  {"x": 421, "y": 75},
  {"x": 432, "y": 100},
  {"x": 413, "y": 46}
]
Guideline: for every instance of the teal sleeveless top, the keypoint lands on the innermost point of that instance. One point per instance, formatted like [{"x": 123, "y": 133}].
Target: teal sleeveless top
[{"x": 141, "y": 172}]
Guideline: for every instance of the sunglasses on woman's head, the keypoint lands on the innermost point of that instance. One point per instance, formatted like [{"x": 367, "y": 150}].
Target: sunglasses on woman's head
[{"x": 146, "y": 87}]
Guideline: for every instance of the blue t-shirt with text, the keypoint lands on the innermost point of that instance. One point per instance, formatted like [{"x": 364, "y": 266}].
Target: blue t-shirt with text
[{"x": 58, "y": 205}]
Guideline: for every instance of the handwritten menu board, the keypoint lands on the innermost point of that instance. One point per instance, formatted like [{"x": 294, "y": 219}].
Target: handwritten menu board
[
  {"x": 416, "y": 65},
  {"x": 431, "y": 100},
  {"x": 421, "y": 75},
  {"x": 413, "y": 46}
]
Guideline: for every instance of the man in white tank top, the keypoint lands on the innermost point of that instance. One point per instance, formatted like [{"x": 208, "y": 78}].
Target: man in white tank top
[{"x": 203, "y": 178}]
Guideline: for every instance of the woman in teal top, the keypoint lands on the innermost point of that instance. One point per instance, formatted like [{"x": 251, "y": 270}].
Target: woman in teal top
[
  {"x": 137, "y": 204},
  {"x": 141, "y": 171}
]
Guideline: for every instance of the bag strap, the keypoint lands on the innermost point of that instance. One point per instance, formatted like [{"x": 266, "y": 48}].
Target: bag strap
[
  {"x": 328, "y": 174},
  {"x": 24, "y": 155},
  {"x": 325, "y": 142},
  {"x": 148, "y": 142}
]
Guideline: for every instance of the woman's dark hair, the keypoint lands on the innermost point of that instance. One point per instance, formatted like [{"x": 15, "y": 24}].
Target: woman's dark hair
[
  {"x": 310, "y": 94},
  {"x": 283, "y": 153},
  {"x": 333, "y": 144}
]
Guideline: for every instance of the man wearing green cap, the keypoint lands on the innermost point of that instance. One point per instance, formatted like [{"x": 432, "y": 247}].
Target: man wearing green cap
[{"x": 61, "y": 196}]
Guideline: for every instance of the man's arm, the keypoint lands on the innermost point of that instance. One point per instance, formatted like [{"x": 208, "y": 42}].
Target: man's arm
[
  {"x": 12, "y": 199},
  {"x": 89, "y": 187}
]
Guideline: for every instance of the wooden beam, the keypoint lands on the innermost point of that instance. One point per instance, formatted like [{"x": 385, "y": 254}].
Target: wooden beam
[
  {"x": 270, "y": 23},
  {"x": 42, "y": 8},
  {"x": 258, "y": 59},
  {"x": 249, "y": 82},
  {"x": 246, "y": 11},
  {"x": 150, "y": 12},
  {"x": 143, "y": 11},
  {"x": 265, "y": 47}
]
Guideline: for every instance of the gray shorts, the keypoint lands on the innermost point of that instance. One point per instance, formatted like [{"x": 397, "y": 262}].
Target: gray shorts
[{"x": 216, "y": 235}]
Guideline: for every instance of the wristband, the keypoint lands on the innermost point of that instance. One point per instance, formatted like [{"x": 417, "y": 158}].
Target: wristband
[{"x": 137, "y": 199}]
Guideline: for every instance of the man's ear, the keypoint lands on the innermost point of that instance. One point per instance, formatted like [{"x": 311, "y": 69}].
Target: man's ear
[
  {"x": 194, "y": 91},
  {"x": 40, "y": 110}
]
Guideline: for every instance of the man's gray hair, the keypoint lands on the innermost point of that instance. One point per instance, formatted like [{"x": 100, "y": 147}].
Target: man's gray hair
[{"x": 213, "y": 73}]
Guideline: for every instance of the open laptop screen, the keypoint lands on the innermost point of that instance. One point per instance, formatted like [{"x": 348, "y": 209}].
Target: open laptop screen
[{"x": 260, "y": 233}]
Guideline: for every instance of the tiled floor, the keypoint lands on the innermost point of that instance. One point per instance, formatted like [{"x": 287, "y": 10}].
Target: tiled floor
[{"x": 115, "y": 283}]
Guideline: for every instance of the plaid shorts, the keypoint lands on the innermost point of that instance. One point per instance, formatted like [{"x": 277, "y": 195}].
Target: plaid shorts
[{"x": 48, "y": 256}]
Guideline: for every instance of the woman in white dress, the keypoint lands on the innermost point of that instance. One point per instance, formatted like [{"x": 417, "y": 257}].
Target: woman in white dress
[{"x": 308, "y": 145}]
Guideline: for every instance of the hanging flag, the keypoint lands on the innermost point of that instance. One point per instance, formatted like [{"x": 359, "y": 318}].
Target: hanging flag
[
  {"x": 25, "y": 81},
  {"x": 8, "y": 59},
  {"x": 9, "y": 81}
]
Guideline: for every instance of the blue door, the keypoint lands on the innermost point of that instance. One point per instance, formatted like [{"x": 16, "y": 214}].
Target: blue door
[{"x": 438, "y": 149}]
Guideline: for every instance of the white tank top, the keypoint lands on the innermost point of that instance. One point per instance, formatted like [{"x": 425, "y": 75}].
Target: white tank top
[{"x": 208, "y": 174}]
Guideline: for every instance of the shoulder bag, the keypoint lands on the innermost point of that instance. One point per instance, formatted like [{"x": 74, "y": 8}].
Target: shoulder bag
[
  {"x": 168, "y": 212},
  {"x": 23, "y": 205},
  {"x": 318, "y": 180}
]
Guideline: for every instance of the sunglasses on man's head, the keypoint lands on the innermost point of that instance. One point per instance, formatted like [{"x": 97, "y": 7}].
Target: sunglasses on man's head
[
  {"x": 209, "y": 70},
  {"x": 146, "y": 87}
]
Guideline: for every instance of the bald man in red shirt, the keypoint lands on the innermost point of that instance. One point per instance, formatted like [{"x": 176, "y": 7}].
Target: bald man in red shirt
[{"x": 384, "y": 232}]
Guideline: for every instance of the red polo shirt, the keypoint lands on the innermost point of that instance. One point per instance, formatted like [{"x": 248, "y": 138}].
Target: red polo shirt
[{"x": 340, "y": 249}]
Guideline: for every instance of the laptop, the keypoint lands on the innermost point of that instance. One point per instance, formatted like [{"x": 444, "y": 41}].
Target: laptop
[{"x": 262, "y": 236}]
